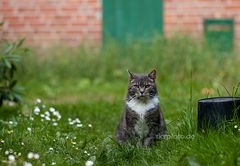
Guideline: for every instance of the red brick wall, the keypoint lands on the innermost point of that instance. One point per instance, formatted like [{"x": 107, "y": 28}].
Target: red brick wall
[
  {"x": 186, "y": 16},
  {"x": 46, "y": 22}
]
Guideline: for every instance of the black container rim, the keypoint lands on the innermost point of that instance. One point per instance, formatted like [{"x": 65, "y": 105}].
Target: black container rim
[{"x": 218, "y": 99}]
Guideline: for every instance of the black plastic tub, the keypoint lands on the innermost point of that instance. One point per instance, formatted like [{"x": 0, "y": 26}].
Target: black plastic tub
[{"x": 214, "y": 112}]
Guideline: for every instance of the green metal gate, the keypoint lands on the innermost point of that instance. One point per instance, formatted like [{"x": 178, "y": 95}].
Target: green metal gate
[{"x": 125, "y": 20}]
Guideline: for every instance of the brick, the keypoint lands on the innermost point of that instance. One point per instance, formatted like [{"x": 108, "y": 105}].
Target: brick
[
  {"x": 233, "y": 8},
  {"x": 26, "y": 10},
  {"x": 69, "y": 9}
]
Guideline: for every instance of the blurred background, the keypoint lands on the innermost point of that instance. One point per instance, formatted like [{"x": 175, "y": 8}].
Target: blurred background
[{"x": 80, "y": 49}]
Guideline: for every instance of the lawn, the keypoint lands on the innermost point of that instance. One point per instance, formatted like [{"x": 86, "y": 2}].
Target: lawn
[{"x": 74, "y": 99}]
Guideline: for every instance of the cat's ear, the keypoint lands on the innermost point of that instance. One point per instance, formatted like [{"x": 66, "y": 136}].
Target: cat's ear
[
  {"x": 153, "y": 74},
  {"x": 131, "y": 75}
]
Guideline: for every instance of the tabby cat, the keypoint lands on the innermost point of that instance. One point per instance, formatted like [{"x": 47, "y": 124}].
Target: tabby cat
[{"x": 142, "y": 119}]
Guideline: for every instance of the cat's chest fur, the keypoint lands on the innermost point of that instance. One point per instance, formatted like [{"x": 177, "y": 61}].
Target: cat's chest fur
[{"x": 141, "y": 108}]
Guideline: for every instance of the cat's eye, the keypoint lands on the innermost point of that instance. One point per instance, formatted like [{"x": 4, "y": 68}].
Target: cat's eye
[
  {"x": 147, "y": 86},
  {"x": 136, "y": 86}
]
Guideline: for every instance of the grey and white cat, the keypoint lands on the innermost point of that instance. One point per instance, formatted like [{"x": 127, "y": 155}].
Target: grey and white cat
[{"x": 142, "y": 119}]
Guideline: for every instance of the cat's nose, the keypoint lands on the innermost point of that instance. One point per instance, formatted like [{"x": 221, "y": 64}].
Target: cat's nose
[{"x": 141, "y": 90}]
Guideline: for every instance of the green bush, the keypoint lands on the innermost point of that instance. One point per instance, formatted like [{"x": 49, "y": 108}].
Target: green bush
[{"x": 10, "y": 56}]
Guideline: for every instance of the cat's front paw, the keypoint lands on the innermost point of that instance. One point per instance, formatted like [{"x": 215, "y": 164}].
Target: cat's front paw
[{"x": 148, "y": 141}]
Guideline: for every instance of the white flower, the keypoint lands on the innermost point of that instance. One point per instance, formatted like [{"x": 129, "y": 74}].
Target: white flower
[
  {"x": 77, "y": 120},
  {"x": 30, "y": 155},
  {"x": 50, "y": 149},
  {"x": 42, "y": 115},
  {"x": 47, "y": 113},
  {"x": 6, "y": 152},
  {"x": 47, "y": 118},
  {"x": 43, "y": 106},
  {"x": 51, "y": 109},
  {"x": 69, "y": 119},
  {"x": 31, "y": 118},
  {"x": 89, "y": 125},
  {"x": 55, "y": 124},
  {"x": 27, "y": 164},
  {"x": 39, "y": 100},
  {"x": 29, "y": 129},
  {"x": 19, "y": 154},
  {"x": 36, "y": 110},
  {"x": 89, "y": 163},
  {"x": 10, "y": 122},
  {"x": 79, "y": 125},
  {"x": 57, "y": 114},
  {"x": 85, "y": 151},
  {"x": 59, "y": 117},
  {"x": 71, "y": 123},
  {"x": 74, "y": 121},
  {"x": 22, "y": 143},
  {"x": 36, "y": 156},
  {"x": 2, "y": 141},
  {"x": 11, "y": 158},
  {"x": 235, "y": 126},
  {"x": 53, "y": 163}
]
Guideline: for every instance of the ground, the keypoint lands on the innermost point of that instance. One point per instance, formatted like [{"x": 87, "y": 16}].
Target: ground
[{"x": 74, "y": 99}]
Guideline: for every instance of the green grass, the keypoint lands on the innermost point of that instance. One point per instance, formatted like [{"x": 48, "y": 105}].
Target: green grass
[{"x": 91, "y": 84}]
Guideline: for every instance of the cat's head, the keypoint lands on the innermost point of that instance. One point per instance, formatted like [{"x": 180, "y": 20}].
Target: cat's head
[{"x": 142, "y": 87}]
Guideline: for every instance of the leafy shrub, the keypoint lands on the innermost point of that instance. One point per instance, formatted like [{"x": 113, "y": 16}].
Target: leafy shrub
[{"x": 10, "y": 55}]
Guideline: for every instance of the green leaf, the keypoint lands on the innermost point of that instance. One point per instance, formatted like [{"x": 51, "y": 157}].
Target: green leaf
[
  {"x": 18, "y": 89},
  {"x": 10, "y": 96},
  {"x": 14, "y": 58},
  {"x": 11, "y": 72},
  {"x": 8, "y": 49},
  {"x": 20, "y": 42},
  {"x": 18, "y": 98},
  {"x": 13, "y": 83},
  {"x": 7, "y": 63}
]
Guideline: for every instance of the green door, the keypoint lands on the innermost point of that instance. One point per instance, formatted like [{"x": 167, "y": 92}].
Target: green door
[
  {"x": 125, "y": 20},
  {"x": 219, "y": 34}
]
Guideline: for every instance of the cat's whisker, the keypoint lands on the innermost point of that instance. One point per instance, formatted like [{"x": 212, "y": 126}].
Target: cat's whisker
[{"x": 132, "y": 97}]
